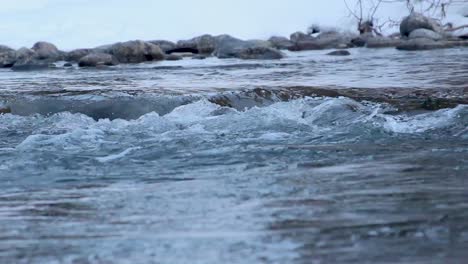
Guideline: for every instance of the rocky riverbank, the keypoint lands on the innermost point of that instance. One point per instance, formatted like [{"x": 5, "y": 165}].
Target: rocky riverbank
[{"x": 416, "y": 33}]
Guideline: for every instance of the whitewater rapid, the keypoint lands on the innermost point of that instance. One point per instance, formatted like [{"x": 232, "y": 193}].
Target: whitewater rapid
[{"x": 123, "y": 171}]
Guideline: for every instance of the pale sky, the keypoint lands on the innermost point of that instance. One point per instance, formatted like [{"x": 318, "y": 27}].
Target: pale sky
[{"x": 88, "y": 23}]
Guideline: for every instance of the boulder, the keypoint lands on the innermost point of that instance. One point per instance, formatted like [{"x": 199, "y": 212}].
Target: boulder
[
  {"x": 423, "y": 44},
  {"x": 300, "y": 36},
  {"x": 4, "y": 110},
  {"x": 164, "y": 45},
  {"x": 326, "y": 40},
  {"x": 281, "y": 43},
  {"x": 463, "y": 37},
  {"x": 230, "y": 47},
  {"x": 47, "y": 51},
  {"x": 41, "y": 57},
  {"x": 359, "y": 42},
  {"x": 382, "y": 42},
  {"x": 7, "y": 57},
  {"x": 204, "y": 44},
  {"x": 24, "y": 53},
  {"x": 103, "y": 49},
  {"x": 173, "y": 57},
  {"x": 134, "y": 51},
  {"x": 260, "y": 53},
  {"x": 260, "y": 43},
  {"x": 339, "y": 53},
  {"x": 98, "y": 59},
  {"x": 187, "y": 44},
  {"x": 76, "y": 55},
  {"x": 199, "y": 57},
  {"x": 416, "y": 21},
  {"x": 425, "y": 33},
  {"x": 29, "y": 60}
]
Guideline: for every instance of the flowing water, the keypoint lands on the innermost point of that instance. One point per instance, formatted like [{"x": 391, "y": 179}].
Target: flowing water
[{"x": 135, "y": 164}]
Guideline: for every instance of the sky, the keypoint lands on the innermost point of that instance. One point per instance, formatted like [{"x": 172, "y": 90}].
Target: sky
[{"x": 88, "y": 23}]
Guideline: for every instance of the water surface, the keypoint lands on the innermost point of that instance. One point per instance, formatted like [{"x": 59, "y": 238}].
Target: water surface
[{"x": 184, "y": 180}]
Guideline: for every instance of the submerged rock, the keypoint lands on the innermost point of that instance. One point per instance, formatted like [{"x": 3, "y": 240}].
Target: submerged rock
[
  {"x": 230, "y": 47},
  {"x": 281, "y": 43},
  {"x": 7, "y": 57},
  {"x": 98, "y": 59},
  {"x": 416, "y": 21},
  {"x": 135, "y": 51},
  {"x": 339, "y": 53}
]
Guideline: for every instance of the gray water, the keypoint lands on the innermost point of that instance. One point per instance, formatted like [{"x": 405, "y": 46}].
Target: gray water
[{"x": 134, "y": 164}]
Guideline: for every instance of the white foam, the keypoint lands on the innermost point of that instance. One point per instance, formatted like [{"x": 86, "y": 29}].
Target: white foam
[
  {"x": 192, "y": 113},
  {"x": 422, "y": 122},
  {"x": 117, "y": 156}
]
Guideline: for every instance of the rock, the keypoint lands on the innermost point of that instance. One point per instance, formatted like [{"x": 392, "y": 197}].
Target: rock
[
  {"x": 103, "y": 49},
  {"x": 423, "y": 44},
  {"x": 416, "y": 21},
  {"x": 76, "y": 55},
  {"x": 187, "y": 44},
  {"x": 260, "y": 43},
  {"x": 230, "y": 47},
  {"x": 359, "y": 42},
  {"x": 300, "y": 36},
  {"x": 206, "y": 44},
  {"x": 425, "y": 33},
  {"x": 370, "y": 41},
  {"x": 464, "y": 37},
  {"x": 4, "y": 110},
  {"x": 173, "y": 57},
  {"x": 24, "y": 53},
  {"x": 164, "y": 45},
  {"x": 260, "y": 53},
  {"x": 281, "y": 43},
  {"x": 46, "y": 50},
  {"x": 135, "y": 51},
  {"x": 29, "y": 60},
  {"x": 339, "y": 53},
  {"x": 199, "y": 57},
  {"x": 41, "y": 57},
  {"x": 7, "y": 57},
  {"x": 67, "y": 65},
  {"x": 326, "y": 40},
  {"x": 382, "y": 42},
  {"x": 98, "y": 59}
]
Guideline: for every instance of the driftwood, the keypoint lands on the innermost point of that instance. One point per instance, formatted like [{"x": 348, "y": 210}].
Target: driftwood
[{"x": 449, "y": 27}]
